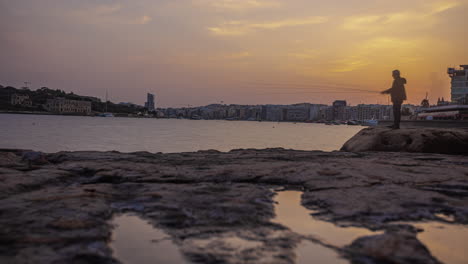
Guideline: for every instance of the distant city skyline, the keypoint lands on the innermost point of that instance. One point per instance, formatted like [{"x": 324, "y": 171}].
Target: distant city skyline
[{"x": 198, "y": 52}]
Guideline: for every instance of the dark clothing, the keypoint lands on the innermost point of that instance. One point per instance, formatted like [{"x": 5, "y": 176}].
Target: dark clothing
[
  {"x": 396, "y": 115},
  {"x": 398, "y": 94}
]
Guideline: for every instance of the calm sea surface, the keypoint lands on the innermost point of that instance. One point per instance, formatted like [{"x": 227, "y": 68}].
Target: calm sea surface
[{"x": 70, "y": 133}]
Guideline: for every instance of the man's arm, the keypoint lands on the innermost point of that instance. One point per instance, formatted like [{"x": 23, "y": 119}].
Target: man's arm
[
  {"x": 386, "y": 91},
  {"x": 389, "y": 91}
]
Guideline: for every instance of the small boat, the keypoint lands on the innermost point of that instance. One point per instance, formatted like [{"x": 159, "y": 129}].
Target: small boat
[
  {"x": 370, "y": 122},
  {"x": 106, "y": 115}
]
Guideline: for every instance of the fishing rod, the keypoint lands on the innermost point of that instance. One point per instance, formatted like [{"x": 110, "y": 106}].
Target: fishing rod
[
  {"x": 331, "y": 85},
  {"x": 318, "y": 92},
  {"x": 325, "y": 88}
]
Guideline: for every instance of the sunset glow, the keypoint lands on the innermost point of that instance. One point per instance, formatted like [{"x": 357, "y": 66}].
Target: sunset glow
[{"x": 197, "y": 52}]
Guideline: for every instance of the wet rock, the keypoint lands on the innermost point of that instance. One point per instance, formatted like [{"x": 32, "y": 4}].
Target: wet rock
[
  {"x": 35, "y": 157},
  {"x": 374, "y": 206},
  {"x": 9, "y": 159},
  {"x": 58, "y": 212},
  {"x": 422, "y": 140},
  {"x": 397, "y": 247},
  {"x": 71, "y": 224}
]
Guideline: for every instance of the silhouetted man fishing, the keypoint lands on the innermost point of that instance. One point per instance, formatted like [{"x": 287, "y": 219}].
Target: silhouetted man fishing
[{"x": 398, "y": 94}]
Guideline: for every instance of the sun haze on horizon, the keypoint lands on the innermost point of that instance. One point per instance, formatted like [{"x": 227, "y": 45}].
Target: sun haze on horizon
[{"x": 196, "y": 52}]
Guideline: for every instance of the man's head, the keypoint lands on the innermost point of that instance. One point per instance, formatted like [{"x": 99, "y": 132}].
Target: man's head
[{"x": 396, "y": 74}]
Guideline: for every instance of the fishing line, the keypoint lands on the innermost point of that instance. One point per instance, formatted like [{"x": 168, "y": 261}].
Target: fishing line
[
  {"x": 318, "y": 92},
  {"x": 325, "y": 87}
]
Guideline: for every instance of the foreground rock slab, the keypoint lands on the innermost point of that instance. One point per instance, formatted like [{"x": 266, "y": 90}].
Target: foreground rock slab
[
  {"x": 58, "y": 210},
  {"x": 421, "y": 140}
]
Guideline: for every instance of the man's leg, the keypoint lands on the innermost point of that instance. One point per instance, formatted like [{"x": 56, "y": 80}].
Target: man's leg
[{"x": 396, "y": 115}]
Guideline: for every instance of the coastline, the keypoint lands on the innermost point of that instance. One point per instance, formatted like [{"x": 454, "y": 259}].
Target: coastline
[
  {"x": 181, "y": 192},
  {"x": 427, "y": 123},
  {"x": 458, "y": 124}
]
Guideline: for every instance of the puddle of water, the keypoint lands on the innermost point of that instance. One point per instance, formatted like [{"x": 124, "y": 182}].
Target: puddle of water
[
  {"x": 446, "y": 242},
  {"x": 233, "y": 242},
  {"x": 449, "y": 218},
  {"x": 290, "y": 213},
  {"x": 308, "y": 252},
  {"x": 136, "y": 241}
]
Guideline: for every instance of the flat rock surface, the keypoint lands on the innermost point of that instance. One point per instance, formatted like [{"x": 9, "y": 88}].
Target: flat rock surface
[
  {"x": 56, "y": 208},
  {"x": 422, "y": 140}
]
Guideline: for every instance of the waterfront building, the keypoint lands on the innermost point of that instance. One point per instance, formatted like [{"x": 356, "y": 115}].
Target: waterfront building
[
  {"x": 160, "y": 114},
  {"x": 447, "y": 112},
  {"x": 351, "y": 113},
  {"x": 314, "y": 113},
  {"x": 150, "y": 105},
  {"x": 65, "y": 106},
  {"x": 459, "y": 89},
  {"x": 339, "y": 110},
  {"x": 254, "y": 113},
  {"x": 297, "y": 113},
  {"x": 386, "y": 112},
  {"x": 242, "y": 113},
  {"x": 272, "y": 113},
  {"x": 21, "y": 99},
  {"x": 374, "y": 111},
  {"x": 442, "y": 102},
  {"x": 232, "y": 112},
  {"x": 326, "y": 113}
]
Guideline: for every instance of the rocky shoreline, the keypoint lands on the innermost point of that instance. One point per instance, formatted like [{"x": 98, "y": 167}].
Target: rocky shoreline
[{"x": 55, "y": 208}]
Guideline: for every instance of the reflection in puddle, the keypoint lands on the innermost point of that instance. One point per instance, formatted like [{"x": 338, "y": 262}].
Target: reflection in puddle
[
  {"x": 446, "y": 242},
  {"x": 231, "y": 242},
  {"x": 448, "y": 218},
  {"x": 290, "y": 213},
  {"x": 308, "y": 252},
  {"x": 136, "y": 241}
]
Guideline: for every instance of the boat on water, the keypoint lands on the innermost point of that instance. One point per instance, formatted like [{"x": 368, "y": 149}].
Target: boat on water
[
  {"x": 106, "y": 115},
  {"x": 370, "y": 122},
  {"x": 352, "y": 123},
  {"x": 444, "y": 112}
]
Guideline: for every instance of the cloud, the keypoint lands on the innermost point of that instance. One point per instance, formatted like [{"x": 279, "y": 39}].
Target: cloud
[
  {"x": 143, "y": 20},
  {"x": 236, "y": 28},
  {"x": 440, "y": 7},
  {"x": 423, "y": 17},
  {"x": 239, "y": 55},
  {"x": 349, "y": 64},
  {"x": 373, "y": 51},
  {"x": 308, "y": 54},
  {"x": 112, "y": 14},
  {"x": 103, "y": 10},
  {"x": 239, "y": 5}
]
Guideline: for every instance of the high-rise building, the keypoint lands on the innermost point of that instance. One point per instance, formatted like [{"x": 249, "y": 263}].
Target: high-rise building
[
  {"x": 315, "y": 112},
  {"x": 150, "y": 105},
  {"x": 339, "y": 107},
  {"x": 459, "y": 83}
]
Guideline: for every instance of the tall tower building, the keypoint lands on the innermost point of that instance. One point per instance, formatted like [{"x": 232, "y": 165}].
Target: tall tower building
[
  {"x": 459, "y": 83},
  {"x": 339, "y": 107},
  {"x": 150, "y": 105}
]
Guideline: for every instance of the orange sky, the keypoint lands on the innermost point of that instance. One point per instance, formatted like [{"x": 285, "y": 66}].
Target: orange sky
[{"x": 196, "y": 52}]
